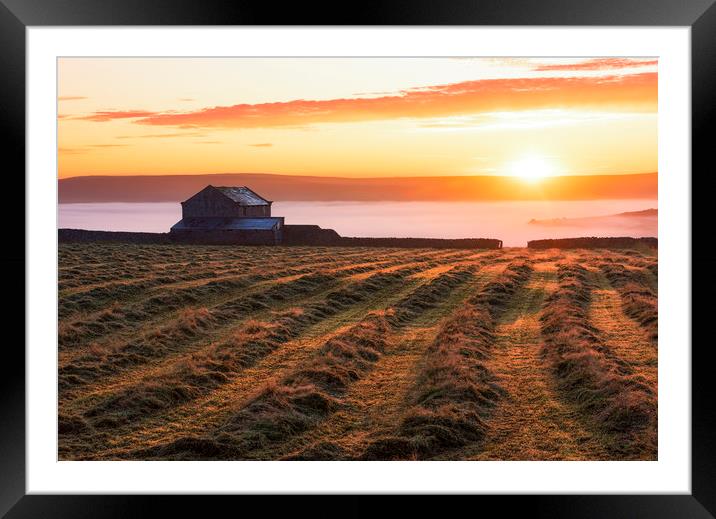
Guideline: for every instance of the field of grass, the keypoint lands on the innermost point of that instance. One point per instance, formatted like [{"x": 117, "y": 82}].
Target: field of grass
[{"x": 349, "y": 353}]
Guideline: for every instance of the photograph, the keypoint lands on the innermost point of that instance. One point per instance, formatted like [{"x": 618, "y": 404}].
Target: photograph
[{"x": 357, "y": 258}]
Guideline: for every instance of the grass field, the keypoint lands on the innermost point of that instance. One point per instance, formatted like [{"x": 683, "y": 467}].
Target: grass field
[{"x": 180, "y": 352}]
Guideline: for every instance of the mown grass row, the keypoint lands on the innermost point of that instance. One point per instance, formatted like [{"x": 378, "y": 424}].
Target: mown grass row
[
  {"x": 90, "y": 264},
  {"x": 454, "y": 392},
  {"x": 312, "y": 391},
  {"x": 116, "y": 316},
  {"x": 621, "y": 404},
  {"x": 190, "y": 325},
  {"x": 95, "y": 263},
  {"x": 96, "y": 296},
  {"x": 109, "y": 277},
  {"x": 128, "y": 318},
  {"x": 146, "y": 257},
  {"x": 206, "y": 370},
  {"x": 638, "y": 300},
  {"x": 159, "y": 299},
  {"x": 132, "y": 313}
]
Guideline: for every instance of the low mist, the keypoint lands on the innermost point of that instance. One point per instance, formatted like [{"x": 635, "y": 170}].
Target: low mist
[{"x": 515, "y": 223}]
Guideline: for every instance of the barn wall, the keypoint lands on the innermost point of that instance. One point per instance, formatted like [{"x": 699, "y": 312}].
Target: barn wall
[
  {"x": 257, "y": 210},
  {"x": 209, "y": 203}
]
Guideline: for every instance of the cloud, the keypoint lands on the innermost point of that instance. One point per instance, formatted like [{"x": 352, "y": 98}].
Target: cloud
[
  {"x": 631, "y": 92},
  {"x": 71, "y": 98},
  {"x": 597, "y": 64},
  {"x": 89, "y": 147},
  {"x": 161, "y": 135},
  {"x": 105, "y": 116},
  {"x": 525, "y": 120},
  {"x": 373, "y": 93},
  {"x": 616, "y": 92},
  {"x": 262, "y": 145},
  {"x": 186, "y": 99},
  {"x": 207, "y": 142}
]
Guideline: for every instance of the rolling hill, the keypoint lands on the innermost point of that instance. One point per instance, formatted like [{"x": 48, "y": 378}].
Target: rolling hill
[{"x": 174, "y": 188}]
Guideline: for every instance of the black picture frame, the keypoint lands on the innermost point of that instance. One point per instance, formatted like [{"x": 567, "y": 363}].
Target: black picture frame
[{"x": 17, "y": 15}]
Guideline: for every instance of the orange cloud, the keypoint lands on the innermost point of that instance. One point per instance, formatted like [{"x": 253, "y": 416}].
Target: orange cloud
[
  {"x": 598, "y": 64},
  {"x": 119, "y": 114},
  {"x": 262, "y": 145},
  {"x": 161, "y": 135},
  {"x": 71, "y": 98},
  {"x": 88, "y": 147},
  {"x": 631, "y": 92}
]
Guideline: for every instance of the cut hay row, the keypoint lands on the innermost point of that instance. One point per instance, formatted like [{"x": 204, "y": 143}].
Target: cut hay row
[
  {"x": 638, "y": 300},
  {"x": 184, "y": 302},
  {"x": 101, "y": 263},
  {"x": 128, "y": 317},
  {"x": 453, "y": 392},
  {"x": 428, "y": 295},
  {"x": 92, "y": 295},
  {"x": 621, "y": 404},
  {"x": 200, "y": 373},
  {"x": 312, "y": 391},
  {"x": 121, "y": 292},
  {"x": 84, "y": 280},
  {"x": 191, "y": 324},
  {"x": 630, "y": 258},
  {"x": 130, "y": 314},
  {"x": 187, "y": 283},
  {"x": 140, "y": 256},
  {"x": 115, "y": 315},
  {"x": 338, "y": 369}
]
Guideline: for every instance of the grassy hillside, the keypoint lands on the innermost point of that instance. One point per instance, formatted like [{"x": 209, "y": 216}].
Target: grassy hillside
[{"x": 196, "y": 352}]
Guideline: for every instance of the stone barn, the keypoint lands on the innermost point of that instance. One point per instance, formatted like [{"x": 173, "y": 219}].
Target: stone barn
[{"x": 224, "y": 215}]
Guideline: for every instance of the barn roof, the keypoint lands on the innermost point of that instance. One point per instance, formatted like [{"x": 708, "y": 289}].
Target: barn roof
[
  {"x": 242, "y": 195},
  {"x": 227, "y": 224}
]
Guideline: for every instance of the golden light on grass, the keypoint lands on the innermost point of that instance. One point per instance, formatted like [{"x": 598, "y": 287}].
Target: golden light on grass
[{"x": 348, "y": 366}]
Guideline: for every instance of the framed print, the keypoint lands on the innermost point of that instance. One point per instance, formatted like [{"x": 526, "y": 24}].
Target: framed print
[{"x": 425, "y": 253}]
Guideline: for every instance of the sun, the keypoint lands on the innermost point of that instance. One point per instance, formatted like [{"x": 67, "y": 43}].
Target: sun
[{"x": 531, "y": 168}]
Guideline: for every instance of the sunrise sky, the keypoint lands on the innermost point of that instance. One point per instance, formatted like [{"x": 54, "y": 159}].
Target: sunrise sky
[{"x": 357, "y": 117}]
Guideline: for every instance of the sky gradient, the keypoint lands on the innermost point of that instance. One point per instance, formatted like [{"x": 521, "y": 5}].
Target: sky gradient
[{"x": 357, "y": 117}]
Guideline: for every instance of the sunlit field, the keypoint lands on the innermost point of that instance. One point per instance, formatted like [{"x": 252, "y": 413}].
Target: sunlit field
[{"x": 316, "y": 353}]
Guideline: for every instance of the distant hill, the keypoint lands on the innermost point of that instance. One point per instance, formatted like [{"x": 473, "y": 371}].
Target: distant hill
[
  {"x": 640, "y": 214},
  {"x": 174, "y": 188},
  {"x": 636, "y": 217}
]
